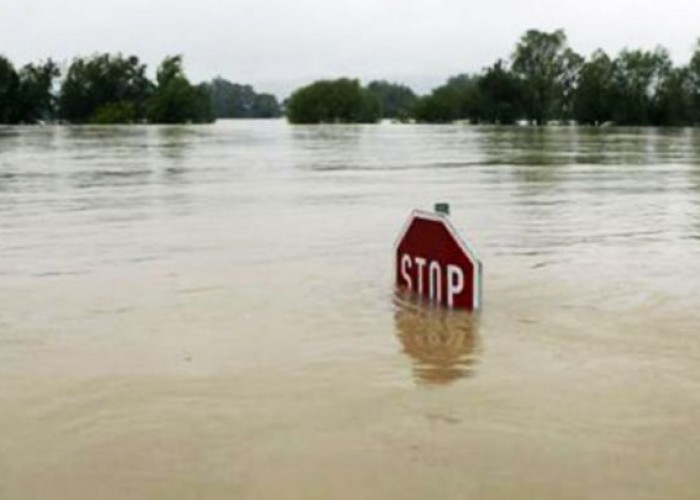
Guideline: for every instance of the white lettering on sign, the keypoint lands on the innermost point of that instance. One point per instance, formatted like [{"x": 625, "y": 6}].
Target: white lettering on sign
[
  {"x": 405, "y": 268},
  {"x": 455, "y": 283},
  {"x": 453, "y": 276},
  {"x": 420, "y": 262},
  {"x": 435, "y": 280}
]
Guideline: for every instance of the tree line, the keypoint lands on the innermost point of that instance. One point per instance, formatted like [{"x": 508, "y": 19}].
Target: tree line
[
  {"x": 112, "y": 88},
  {"x": 543, "y": 80}
]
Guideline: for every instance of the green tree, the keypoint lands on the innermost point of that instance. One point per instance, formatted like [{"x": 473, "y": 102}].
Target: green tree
[
  {"x": 593, "y": 97},
  {"x": 396, "y": 100},
  {"x": 232, "y": 100},
  {"x": 694, "y": 84},
  {"x": 9, "y": 87},
  {"x": 266, "y": 106},
  {"x": 501, "y": 95},
  {"x": 175, "y": 99},
  {"x": 548, "y": 69},
  {"x": 458, "y": 99},
  {"x": 35, "y": 100},
  {"x": 568, "y": 81},
  {"x": 333, "y": 101},
  {"x": 638, "y": 77},
  {"x": 104, "y": 81},
  {"x": 673, "y": 102}
]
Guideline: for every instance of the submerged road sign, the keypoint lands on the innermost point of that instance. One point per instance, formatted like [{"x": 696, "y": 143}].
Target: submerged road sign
[{"x": 434, "y": 262}]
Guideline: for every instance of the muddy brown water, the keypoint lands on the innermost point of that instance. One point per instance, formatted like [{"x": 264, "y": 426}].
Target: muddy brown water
[{"x": 207, "y": 312}]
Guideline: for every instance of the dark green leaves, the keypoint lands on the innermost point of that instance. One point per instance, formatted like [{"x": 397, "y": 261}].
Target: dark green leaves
[
  {"x": 94, "y": 88},
  {"x": 231, "y": 100},
  {"x": 25, "y": 96},
  {"x": 396, "y": 100},
  {"x": 175, "y": 100},
  {"x": 333, "y": 101}
]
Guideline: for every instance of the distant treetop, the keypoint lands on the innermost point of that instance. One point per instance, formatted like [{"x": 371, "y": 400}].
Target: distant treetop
[
  {"x": 232, "y": 100},
  {"x": 333, "y": 101}
]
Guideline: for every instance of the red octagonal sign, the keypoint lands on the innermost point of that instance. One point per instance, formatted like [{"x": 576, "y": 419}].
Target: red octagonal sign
[{"x": 435, "y": 263}]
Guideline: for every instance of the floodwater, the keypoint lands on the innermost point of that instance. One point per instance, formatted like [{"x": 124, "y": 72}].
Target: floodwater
[{"x": 207, "y": 312}]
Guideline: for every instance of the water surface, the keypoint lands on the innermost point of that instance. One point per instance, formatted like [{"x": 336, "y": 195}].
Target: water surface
[{"x": 207, "y": 312}]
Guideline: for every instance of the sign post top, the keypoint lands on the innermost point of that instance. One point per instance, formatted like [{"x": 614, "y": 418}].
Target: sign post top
[{"x": 442, "y": 208}]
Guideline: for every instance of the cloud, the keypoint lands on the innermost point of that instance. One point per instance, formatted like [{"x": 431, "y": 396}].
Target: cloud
[{"x": 278, "y": 44}]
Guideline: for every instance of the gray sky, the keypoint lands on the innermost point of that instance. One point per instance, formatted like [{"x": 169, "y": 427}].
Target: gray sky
[{"x": 277, "y": 45}]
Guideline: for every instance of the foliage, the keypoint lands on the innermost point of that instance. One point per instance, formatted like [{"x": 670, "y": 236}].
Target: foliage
[
  {"x": 458, "y": 99},
  {"x": 25, "y": 96},
  {"x": 548, "y": 69},
  {"x": 114, "y": 89},
  {"x": 98, "y": 81},
  {"x": 500, "y": 95},
  {"x": 693, "y": 85},
  {"x": 593, "y": 97},
  {"x": 36, "y": 101},
  {"x": 543, "y": 80},
  {"x": 175, "y": 99},
  {"x": 549, "y": 81},
  {"x": 333, "y": 101},
  {"x": 673, "y": 104},
  {"x": 266, "y": 106},
  {"x": 396, "y": 100},
  {"x": 638, "y": 76},
  {"x": 113, "y": 113},
  {"x": 9, "y": 87},
  {"x": 232, "y": 100}
]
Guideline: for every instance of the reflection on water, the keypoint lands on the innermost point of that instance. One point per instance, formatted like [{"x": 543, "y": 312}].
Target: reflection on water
[
  {"x": 564, "y": 146},
  {"x": 442, "y": 343},
  {"x": 174, "y": 140}
]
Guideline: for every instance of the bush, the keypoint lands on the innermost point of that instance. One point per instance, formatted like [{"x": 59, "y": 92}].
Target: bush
[{"x": 333, "y": 101}]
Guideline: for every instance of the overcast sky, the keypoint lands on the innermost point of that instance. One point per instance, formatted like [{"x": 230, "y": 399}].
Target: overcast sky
[{"x": 277, "y": 45}]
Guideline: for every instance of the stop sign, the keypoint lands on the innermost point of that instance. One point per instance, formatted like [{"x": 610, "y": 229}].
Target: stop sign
[{"x": 435, "y": 263}]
